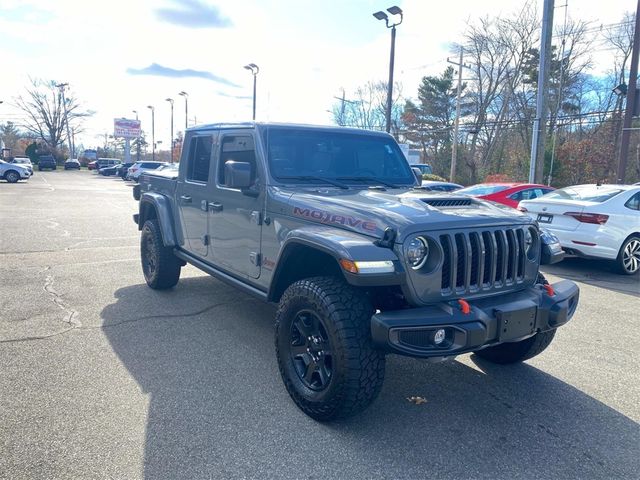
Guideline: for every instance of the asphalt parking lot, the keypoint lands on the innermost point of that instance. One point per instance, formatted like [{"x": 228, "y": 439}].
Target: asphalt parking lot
[{"x": 102, "y": 377}]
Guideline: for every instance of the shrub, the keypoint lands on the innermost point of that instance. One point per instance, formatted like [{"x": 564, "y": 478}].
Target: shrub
[{"x": 433, "y": 177}]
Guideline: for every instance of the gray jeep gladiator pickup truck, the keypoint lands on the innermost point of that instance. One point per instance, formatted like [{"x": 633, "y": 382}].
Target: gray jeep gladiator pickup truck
[{"x": 331, "y": 224}]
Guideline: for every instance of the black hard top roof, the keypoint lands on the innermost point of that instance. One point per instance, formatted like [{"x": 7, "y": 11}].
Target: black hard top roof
[{"x": 266, "y": 125}]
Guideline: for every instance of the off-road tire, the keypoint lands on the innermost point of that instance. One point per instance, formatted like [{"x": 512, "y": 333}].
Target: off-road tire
[
  {"x": 161, "y": 268},
  {"x": 357, "y": 368},
  {"x": 628, "y": 252},
  {"x": 11, "y": 176},
  {"x": 513, "y": 352}
]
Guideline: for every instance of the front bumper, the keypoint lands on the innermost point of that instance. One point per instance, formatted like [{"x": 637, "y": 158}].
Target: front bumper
[{"x": 490, "y": 321}]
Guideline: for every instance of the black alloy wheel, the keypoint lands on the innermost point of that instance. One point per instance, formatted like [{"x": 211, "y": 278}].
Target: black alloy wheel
[
  {"x": 310, "y": 351},
  {"x": 161, "y": 268},
  {"x": 149, "y": 256}
]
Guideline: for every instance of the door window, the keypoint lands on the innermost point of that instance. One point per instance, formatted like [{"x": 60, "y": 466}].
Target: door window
[
  {"x": 199, "y": 158},
  {"x": 238, "y": 148}
]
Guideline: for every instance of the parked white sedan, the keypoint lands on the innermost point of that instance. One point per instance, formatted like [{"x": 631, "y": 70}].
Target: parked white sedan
[{"x": 593, "y": 221}]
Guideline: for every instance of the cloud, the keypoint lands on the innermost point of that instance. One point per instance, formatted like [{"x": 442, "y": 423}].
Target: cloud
[
  {"x": 237, "y": 97},
  {"x": 160, "y": 71},
  {"x": 194, "y": 14}
]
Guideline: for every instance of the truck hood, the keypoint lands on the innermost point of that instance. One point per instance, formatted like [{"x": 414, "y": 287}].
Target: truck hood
[{"x": 371, "y": 211}]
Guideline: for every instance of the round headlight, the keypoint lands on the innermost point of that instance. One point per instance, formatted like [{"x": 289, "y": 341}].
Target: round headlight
[
  {"x": 531, "y": 243},
  {"x": 416, "y": 252},
  {"x": 528, "y": 240}
]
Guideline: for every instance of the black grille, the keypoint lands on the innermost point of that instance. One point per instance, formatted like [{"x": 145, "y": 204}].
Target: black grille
[
  {"x": 482, "y": 260},
  {"x": 447, "y": 202}
]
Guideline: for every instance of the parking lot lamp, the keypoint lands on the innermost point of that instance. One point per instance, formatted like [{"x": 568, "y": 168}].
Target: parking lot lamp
[
  {"x": 254, "y": 69},
  {"x": 153, "y": 132},
  {"x": 170, "y": 100},
  {"x": 186, "y": 109},
  {"x": 383, "y": 16}
]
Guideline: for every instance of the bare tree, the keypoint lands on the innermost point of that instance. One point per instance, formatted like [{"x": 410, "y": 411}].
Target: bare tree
[
  {"x": 366, "y": 107},
  {"x": 45, "y": 112}
]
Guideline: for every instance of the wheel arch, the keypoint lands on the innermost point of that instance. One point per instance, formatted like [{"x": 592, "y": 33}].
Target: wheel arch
[
  {"x": 156, "y": 206},
  {"x": 300, "y": 260}
]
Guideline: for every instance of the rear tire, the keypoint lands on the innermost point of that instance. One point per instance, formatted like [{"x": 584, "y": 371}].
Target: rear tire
[
  {"x": 628, "y": 261},
  {"x": 324, "y": 349},
  {"x": 161, "y": 268},
  {"x": 513, "y": 352}
]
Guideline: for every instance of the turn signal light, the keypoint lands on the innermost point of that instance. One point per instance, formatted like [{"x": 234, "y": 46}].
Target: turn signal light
[
  {"x": 593, "y": 218},
  {"x": 522, "y": 209},
  {"x": 348, "y": 265}
]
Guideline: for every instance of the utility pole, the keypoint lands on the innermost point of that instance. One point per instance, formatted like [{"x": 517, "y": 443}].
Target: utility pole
[
  {"x": 61, "y": 86},
  {"x": 343, "y": 102},
  {"x": 454, "y": 146},
  {"x": 536, "y": 167},
  {"x": 631, "y": 100}
]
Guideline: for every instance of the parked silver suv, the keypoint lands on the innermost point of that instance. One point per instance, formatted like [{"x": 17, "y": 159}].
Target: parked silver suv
[{"x": 12, "y": 172}]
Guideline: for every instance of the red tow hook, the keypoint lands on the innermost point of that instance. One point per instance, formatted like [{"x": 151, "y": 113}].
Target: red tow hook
[
  {"x": 464, "y": 306},
  {"x": 549, "y": 289}
]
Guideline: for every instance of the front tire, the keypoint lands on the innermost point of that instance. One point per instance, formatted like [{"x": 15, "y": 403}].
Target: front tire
[
  {"x": 324, "y": 349},
  {"x": 161, "y": 268},
  {"x": 513, "y": 352},
  {"x": 628, "y": 261},
  {"x": 12, "y": 176}
]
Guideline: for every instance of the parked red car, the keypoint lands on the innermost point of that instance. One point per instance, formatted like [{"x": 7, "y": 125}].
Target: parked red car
[
  {"x": 92, "y": 165},
  {"x": 508, "y": 194}
]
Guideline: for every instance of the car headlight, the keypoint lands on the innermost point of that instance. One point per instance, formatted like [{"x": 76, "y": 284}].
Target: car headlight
[
  {"x": 531, "y": 242},
  {"x": 416, "y": 252}
]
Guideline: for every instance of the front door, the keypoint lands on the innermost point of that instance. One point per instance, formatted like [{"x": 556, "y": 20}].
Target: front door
[
  {"x": 236, "y": 216},
  {"x": 192, "y": 193}
]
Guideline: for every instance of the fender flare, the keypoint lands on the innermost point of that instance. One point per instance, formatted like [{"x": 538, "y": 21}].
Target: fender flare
[
  {"x": 338, "y": 244},
  {"x": 163, "y": 213}
]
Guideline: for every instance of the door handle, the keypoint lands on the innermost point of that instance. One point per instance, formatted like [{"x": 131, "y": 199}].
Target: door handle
[
  {"x": 215, "y": 206},
  {"x": 185, "y": 198}
]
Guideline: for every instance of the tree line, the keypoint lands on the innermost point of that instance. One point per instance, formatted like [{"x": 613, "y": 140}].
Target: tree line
[{"x": 498, "y": 103}]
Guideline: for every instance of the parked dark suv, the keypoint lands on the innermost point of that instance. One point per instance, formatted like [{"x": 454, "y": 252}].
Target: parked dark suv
[{"x": 46, "y": 161}]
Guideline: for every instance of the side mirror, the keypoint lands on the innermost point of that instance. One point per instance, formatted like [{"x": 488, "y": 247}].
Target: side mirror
[
  {"x": 418, "y": 174},
  {"x": 237, "y": 174}
]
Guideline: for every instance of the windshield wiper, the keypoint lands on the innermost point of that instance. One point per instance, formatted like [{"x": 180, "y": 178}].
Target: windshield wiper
[
  {"x": 370, "y": 179},
  {"x": 319, "y": 179}
]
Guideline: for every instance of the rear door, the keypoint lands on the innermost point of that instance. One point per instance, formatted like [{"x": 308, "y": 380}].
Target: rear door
[
  {"x": 236, "y": 216},
  {"x": 192, "y": 192}
]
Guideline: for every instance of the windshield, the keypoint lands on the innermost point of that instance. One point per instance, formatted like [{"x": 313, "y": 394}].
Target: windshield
[
  {"x": 307, "y": 155},
  {"x": 586, "y": 193},
  {"x": 482, "y": 189}
]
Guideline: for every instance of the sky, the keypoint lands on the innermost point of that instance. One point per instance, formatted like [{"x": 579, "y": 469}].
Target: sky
[{"x": 120, "y": 56}]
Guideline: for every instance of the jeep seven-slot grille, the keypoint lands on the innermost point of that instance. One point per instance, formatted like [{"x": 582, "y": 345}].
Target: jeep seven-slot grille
[{"x": 482, "y": 260}]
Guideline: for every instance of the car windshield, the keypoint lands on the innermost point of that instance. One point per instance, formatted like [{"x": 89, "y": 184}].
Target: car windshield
[
  {"x": 586, "y": 193},
  {"x": 314, "y": 156},
  {"x": 482, "y": 189}
]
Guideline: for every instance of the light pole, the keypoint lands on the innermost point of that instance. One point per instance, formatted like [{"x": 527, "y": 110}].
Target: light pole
[
  {"x": 254, "y": 69},
  {"x": 383, "y": 16},
  {"x": 137, "y": 140},
  {"x": 153, "y": 132},
  {"x": 186, "y": 109},
  {"x": 170, "y": 100},
  {"x": 66, "y": 117}
]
